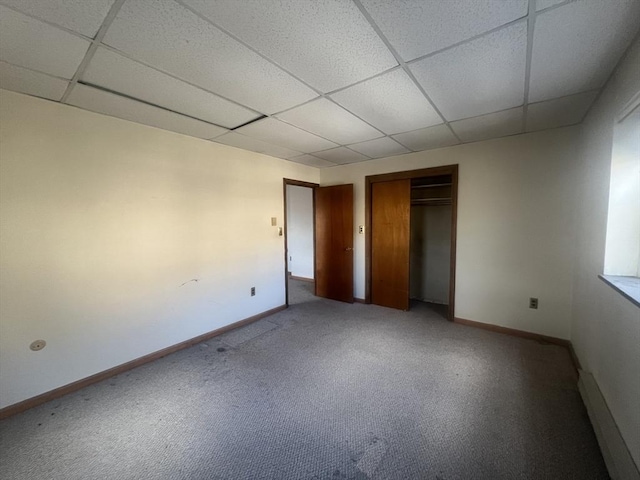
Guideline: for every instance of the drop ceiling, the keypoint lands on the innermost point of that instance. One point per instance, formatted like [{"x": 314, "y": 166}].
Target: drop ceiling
[{"x": 321, "y": 82}]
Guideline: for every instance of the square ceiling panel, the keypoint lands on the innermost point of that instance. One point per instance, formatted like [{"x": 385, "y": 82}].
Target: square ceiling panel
[
  {"x": 27, "y": 42},
  {"x": 116, "y": 106},
  {"x": 341, "y": 156},
  {"x": 380, "y": 147},
  {"x": 494, "y": 125},
  {"x": 312, "y": 161},
  {"x": 328, "y": 120},
  {"x": 576, "y": 46},
  {"x": 274, "y": 131},
  {"x": 253, "y": 144},
  {"x": 82, "y": 16},
  {"x": 115, "y": 72},
  {"x": 418, "y": 27},
  {"x": 427, "y": 138},
  {"x": 482, "y": 76},
  {"x": 391, "y": 102},
  {"x": 328, "y": 44},
  {"x": 559, "y": 112},
  {"x": 26, "y": 81},
  {"x": 167, "y": 36}
]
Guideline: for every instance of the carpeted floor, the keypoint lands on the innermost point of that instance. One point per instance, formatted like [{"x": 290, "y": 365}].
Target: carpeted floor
[{"x": 322, "y": 390}]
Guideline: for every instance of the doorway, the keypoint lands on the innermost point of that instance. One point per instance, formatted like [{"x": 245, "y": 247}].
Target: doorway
[
  {"x": 299, "y": 239},
  {"x": 410, "y": 249}
]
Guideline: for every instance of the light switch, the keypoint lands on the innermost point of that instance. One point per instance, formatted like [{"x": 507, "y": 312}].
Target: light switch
[{"x": 274, "y": 221}]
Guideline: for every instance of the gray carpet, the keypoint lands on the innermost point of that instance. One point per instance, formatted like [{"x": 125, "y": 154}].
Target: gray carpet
[{"x": 322, "y": 390}]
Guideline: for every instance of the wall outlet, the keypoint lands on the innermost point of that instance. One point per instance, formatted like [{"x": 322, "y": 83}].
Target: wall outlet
[
  {"x": 37, "y": 345},
  {"x": 360, "y": 229},
  {"x": 253, "y": 291},
  {"x": 533, "y": 303}
]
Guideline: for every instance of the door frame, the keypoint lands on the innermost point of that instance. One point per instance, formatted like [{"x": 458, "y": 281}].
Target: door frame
[
  {"x": 410, "y": 174},
  {"x": 312, "y": 186}
]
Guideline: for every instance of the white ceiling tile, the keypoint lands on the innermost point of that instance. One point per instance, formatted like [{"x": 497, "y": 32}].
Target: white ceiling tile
[
  {"x": 328, "y": 44},
  {"x": 116, "y": 106},
  {"x": 274, "y": 131},
  {"x": 427, "y": 138},
  {"x": 542, "y": 4},
  {"x": 341, "y": 155},
  {"x": 82, "y": 16},
  {"x": 576, "y": 46},
  {"x": 312, "y": 161},
  {"x": 493, "y": 125},
  {"x": 559, "y": 112},
  {"x": 482, "y": 76},
  {"x": 26, "y": 81},
  {"x": 27, "y": 42},
  {"x": 115, "y": 72},
  {"x": 419, "y": 27},
  {"x": 380, "y": 147},
  {"x": 166, "y": 35},
  {"x": 390, "y": 102},
  {"x": 328, "y": 120},
  {"x": 254, "y": 145}
]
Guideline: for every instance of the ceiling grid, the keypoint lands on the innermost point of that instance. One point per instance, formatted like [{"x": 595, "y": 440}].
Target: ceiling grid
[{"x": 321, "y": 82}]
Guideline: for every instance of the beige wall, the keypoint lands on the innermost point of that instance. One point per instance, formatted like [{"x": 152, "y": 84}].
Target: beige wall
[
  {"x": 605, "y": 327},
  {"x": 102, "y": 223},
  {"x": 515, "y": 225}
]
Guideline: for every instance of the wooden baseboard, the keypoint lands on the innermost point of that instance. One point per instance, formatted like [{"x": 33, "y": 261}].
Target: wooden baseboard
[
  {"x": 514, "y": 332},
  {"x": 117, "y": 370},
  {"x": 303, "y": 279}
]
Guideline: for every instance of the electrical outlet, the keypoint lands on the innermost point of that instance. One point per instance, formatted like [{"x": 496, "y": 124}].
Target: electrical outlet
[
  {"x": 533, "y": 303},
  {"x": 253, "y": 291},
  {"x": 37, "y": 345},
  {"x": 360, "y": 229}
]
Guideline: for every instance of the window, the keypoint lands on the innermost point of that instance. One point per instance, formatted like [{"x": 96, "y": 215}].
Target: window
[{"x": 622, "y": 254}]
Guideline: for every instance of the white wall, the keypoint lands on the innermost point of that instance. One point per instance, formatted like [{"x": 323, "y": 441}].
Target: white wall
[
  {"x": 605, "y": 329},
  {"x": 102, "y": 223},
  {"x": 430, "y": 253},
  {"x": 515, "y": 225},
  {"x": 300, "y": 230}
]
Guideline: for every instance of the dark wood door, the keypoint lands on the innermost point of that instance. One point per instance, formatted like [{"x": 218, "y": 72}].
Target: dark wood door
[
  {"x": 334, "y": 242},
  {"x": 390, "y": 236}
]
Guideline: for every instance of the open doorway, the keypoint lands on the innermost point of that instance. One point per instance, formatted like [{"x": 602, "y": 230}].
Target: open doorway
[{"x": 299, "y": 233}]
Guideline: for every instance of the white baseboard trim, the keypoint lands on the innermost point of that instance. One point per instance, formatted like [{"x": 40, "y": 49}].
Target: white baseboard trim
[{"x": 614, "y": 449}]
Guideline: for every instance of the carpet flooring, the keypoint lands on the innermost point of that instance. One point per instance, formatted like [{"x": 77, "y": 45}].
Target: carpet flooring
[{"x": 322, "y": 390}]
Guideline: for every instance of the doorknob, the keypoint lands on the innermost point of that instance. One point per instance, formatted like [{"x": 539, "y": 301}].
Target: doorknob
[{"x": 348, "y": 249}]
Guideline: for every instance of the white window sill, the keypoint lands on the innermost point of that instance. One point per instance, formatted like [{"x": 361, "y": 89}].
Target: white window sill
[{"x": 629, "y": 287}]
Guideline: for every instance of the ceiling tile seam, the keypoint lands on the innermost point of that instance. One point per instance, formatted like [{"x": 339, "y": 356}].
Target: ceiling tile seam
[
  {"x": 51, "y": 24},
  {"x": 102, "y": 31},
  {"x": 483, "y": 115},
  {"x": 389, "y": 70},
  {"x": 531, "y": 23},
  {"x": 317, "y": 135},
  {"x": 277, "y": 65},
  {"x": 36, "y": 71},
  {"x": 591, "y": 90},
  {"x": 124, "y": 95},
  {"x": 400, "y": 61},
  {"x": 175, "y": 77},
  {"x": 468, "y": 40},
  {"x": 246, "y": 45},
  {"x": 613, "y": 73},
  {"x": 553, "y": 7}
]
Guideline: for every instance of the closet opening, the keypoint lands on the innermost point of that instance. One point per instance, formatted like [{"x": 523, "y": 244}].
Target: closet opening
[{"x": 410, "y": 248}]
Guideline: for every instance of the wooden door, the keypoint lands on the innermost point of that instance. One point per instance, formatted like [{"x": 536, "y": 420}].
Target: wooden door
[
  {"x": 390, "y": 236},
  {"x": 334, "y": 242}
]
